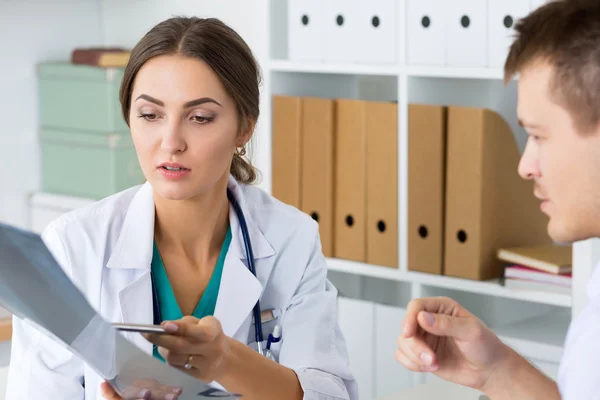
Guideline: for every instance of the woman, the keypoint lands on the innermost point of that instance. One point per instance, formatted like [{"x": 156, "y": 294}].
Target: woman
[{"x": 190, "y": 95}]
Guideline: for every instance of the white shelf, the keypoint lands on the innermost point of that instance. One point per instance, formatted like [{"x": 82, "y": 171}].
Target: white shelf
[
  {"x": 331, "y": 68},
  {"x": 541, "y": 338},
  {"x": 455, "y": 72},
  {"x": 489, "y": 288},
  {"x": 385, "y": 70}
]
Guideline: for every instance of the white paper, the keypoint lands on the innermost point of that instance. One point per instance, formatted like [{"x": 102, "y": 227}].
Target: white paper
[{"x": 35, "y": 288}]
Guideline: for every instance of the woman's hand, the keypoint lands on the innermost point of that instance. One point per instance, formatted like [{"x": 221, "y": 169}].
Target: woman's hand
[
  {"x": 142, "y": 390},
  {"x": 196, "y": 346}
]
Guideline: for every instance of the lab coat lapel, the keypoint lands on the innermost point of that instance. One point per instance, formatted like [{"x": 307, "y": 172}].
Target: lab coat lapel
[
  {"x": 136, "y": 306},
  {"x": 238, "y": 293},
  {"x": 240, "y": 289},
  {"x": 129, "y": 264}
]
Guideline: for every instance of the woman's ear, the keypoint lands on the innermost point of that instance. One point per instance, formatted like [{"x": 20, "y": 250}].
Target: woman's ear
[{"x": 246, "y": 133}]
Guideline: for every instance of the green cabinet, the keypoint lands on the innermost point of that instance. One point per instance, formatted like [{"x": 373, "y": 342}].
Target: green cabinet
[{"x": 90, "y": 165}]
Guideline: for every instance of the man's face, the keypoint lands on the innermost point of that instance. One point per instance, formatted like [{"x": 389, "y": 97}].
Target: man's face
[{"x": 563, "y": 163}]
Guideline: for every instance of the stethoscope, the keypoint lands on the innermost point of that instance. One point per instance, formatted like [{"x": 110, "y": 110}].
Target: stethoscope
[{"x": 258, "y": 333}]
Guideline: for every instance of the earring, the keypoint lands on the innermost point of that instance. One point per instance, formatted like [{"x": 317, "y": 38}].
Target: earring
[{"x": 241, "y": 152}]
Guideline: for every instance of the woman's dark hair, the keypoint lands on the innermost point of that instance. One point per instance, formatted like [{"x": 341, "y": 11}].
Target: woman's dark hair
[{"x": 219, "y": 46}]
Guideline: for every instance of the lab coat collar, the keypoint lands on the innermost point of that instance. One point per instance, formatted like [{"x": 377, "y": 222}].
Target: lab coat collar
[
  {"x": 239, "y": 290},
  {"x": 134, "y": 245}
]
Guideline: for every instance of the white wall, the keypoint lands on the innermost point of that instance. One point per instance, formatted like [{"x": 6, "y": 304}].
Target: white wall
[
  {"x": 125, "y": 22},
  {"x": 31, "y": 31}
]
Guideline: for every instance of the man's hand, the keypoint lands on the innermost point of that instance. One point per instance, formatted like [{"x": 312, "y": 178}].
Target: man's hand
[{"x": 441, "y": 337}]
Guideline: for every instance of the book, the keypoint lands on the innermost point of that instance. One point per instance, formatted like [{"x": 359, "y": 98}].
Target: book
[
  {"x": 550, "y": 258},
  {"x": 523, "y": 284},
  {"x": 532, "y": 274},
  {"x": 105, "y": 57}
]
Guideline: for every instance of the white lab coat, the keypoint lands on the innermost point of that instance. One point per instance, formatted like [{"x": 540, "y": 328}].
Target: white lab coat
[
  {"x": 106, "y": 249},
  {"x": 579, "y": 375}
]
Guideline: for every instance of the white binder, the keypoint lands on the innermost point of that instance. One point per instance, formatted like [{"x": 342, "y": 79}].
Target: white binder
[
  {"x": 502, "y": 17},
  {"x": 466, "y": 33},
  {"x": 306, "y": 30},
  {"x": 426, "y": 21},
  {"x": 377, "y": 32},
  {"x": 342, "y": 21}
]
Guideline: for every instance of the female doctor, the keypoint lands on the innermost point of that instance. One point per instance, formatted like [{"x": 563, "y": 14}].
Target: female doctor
[{"x": 174, "y": 246}]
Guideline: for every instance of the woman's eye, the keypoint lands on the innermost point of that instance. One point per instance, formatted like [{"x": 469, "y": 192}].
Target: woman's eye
[
  {"x": 148, "y": 116},
  {"x": 201, "y": 120}
]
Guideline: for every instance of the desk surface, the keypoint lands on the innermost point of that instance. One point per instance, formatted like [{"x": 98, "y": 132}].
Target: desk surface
[{"x": 437, "y": 391}]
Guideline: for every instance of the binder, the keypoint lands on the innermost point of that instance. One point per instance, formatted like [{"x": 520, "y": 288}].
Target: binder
[
  {"x": 382, "y": 184},
  {"x": 426, "y": 39},
  {"x": 287, "y": 147},
  {"x": 502, "y": 17},
  {"x": 318, "y": 144},
  {"x": 426, "y": 185},
  {"x": 377, "y": 32},
  {"x": 488, "y": 205},
  {"x": 350, "y": 180},
  {"x": 466, "y": 33},
  {"x": 306, "y": 23},
  {"x": 342, "y": 22}
]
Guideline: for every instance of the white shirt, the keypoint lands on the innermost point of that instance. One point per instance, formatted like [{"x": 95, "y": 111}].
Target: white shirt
[
  {"x": 106, "y": 249},
  {"x": 579, "y": 373}
]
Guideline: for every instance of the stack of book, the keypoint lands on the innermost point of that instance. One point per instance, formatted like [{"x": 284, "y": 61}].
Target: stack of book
[{"x": 541, "y": 268}]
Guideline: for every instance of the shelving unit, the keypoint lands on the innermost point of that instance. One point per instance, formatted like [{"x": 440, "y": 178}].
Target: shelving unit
[
  {"x": 540, "y": 333},
  {"x": 486, "y": 288}
]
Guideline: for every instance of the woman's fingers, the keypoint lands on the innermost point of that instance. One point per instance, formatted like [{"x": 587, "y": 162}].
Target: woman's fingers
[
  {"x": 108, "y": 393},
  {"x": 142, "y": 390}
]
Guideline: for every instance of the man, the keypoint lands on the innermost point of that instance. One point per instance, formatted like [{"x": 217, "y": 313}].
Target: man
[{"x": 557, "y": 55}]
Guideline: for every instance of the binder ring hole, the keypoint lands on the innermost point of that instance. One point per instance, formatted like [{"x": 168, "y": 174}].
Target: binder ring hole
[
  {"x": 305, "y": 20},
  {"x": 465, "y": 21},
  {"x": 349, "y": 220},
  {"x": 461, "y": 236},
  {"x": 381, "y": 226},
  {"x": 315, "y": 215},
  {"x": 508, "y": 21},
  {"x": 375, "y": 21},
  {"x": 426, "y": 21},
  {"x": 340, "y": 20},
  {"x": 423, "y": 232}
]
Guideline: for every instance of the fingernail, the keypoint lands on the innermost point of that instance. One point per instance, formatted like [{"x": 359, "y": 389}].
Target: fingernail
[
  {"x": 177, "y": 390},
  {"x": 428, "y": 318},
  {"x": 172, "y": 328},
  {"x": 426, "y": 358},
  {"x": 145, "y": 394},
  {"x": 171, "y": 397}
]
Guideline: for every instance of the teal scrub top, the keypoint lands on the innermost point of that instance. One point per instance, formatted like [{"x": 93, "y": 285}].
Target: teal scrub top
[{"x": 166, "y": 299}]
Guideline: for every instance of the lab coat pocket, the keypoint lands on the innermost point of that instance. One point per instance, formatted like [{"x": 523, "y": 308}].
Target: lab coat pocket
[{"x": 270, "y": 319}]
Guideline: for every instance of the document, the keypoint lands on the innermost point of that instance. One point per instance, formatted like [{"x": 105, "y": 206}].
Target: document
[{"x": 34, "y": 287}]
